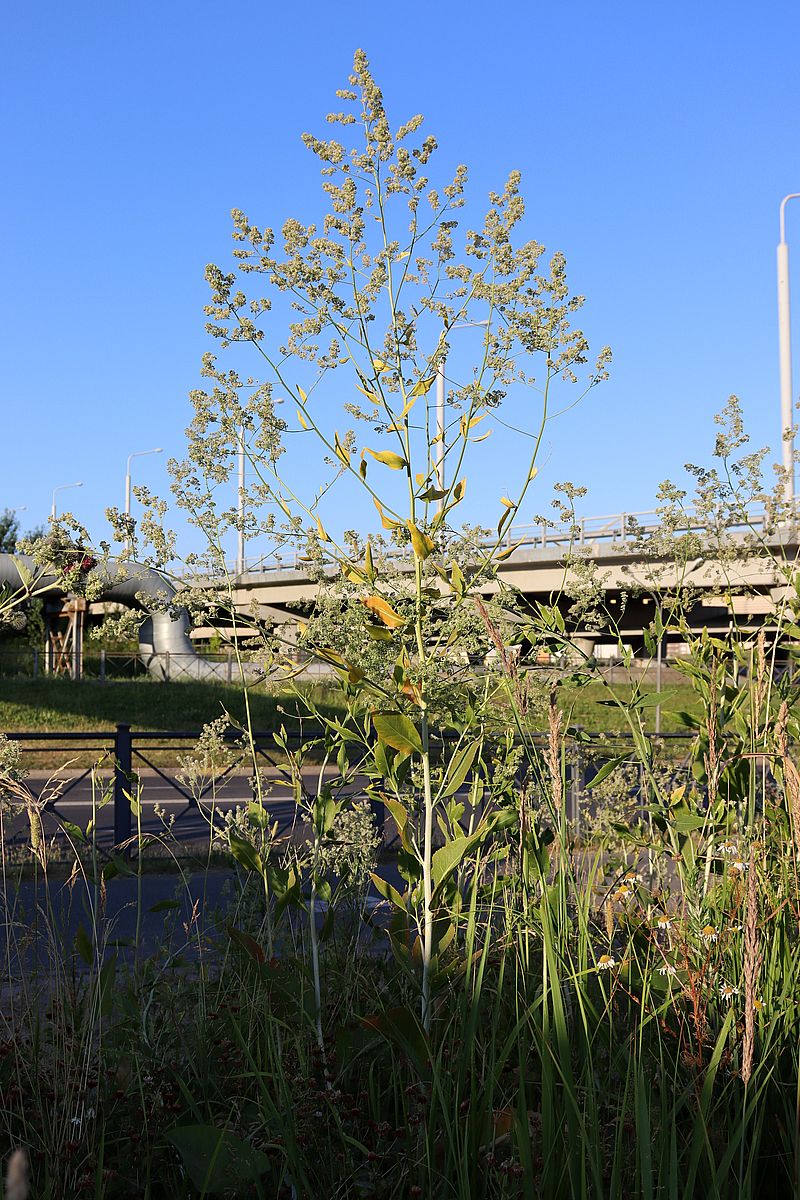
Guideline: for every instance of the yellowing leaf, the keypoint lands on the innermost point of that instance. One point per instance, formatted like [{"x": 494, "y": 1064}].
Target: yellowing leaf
[
  {"x": 509, "y": 550},
  {"x": 342, "y": 453},
  {"x": 302, "y": 419},
  {"x": 412, "y": 691},
  {"x": 508, "y": 503},
  {"x": 457, "y": 580},
  {"x": 432, "y": 493},
  {"x": 383, "y": 611},
  {"x": 380, "y": 365},
  {"x": 465, "y": 425},
  {"x": 507, "y": 515},
  {"x": 370, "y": 395},
  {"x": 388, "y": 458},
  {"x": 423, "y": 386},
  {"x": 302, "y": 395},
  {"x": 482, "y": 438},
  {"x": 409, "y": 404},
  {"x": 423, "y": 545},
  {"x": 368, "y": 563},
  {"x": 458, "y": 491},
  {"x": 321, "y": 530},
  {"x": 386, "y": 522}
]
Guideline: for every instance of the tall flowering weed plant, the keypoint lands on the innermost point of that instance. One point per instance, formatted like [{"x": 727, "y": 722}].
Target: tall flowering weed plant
[{"x": 372, "y": 294}]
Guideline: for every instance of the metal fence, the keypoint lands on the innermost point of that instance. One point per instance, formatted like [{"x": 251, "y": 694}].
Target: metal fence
[
  {"x": 29, "y": 663},
  {"x": 124, "y": 754}
]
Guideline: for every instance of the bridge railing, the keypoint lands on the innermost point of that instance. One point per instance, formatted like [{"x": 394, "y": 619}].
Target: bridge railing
[{"x": 613, "y": 529}]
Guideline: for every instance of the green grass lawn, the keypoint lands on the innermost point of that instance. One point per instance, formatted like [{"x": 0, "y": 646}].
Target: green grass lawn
[
  {"x": 56, "y": 705},
  {"x": 59, "y": 704},
  {"x": 583, "y": 707}
]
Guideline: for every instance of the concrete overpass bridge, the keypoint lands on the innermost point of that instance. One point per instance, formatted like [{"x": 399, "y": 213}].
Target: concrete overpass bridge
[{"x": 746, "y": 590}]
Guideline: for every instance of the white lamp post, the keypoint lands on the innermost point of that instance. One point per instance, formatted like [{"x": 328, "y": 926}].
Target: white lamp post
[
  {"x": 136, "y": 454},
  {"x": 440, "y": 425},
  {"x": 785, "y": 339},
  {"x": 240, "y": 542},
  {"x": 61, "y": 488}
]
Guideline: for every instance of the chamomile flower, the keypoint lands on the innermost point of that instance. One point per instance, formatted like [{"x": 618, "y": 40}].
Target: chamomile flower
[
  {"x": 758, "y": 1004},
  {"x": 663, "y": 921},
  {"x": 667, "y": 969},
  {"x": 709, "y": 933},
  {"x": 729, "y": 849},
  {"x": 623, "y": 892},
  {"x": 727, "y": 991},
  {"x": 738, "y": 867},
  {"x": 605, "y": 962}
]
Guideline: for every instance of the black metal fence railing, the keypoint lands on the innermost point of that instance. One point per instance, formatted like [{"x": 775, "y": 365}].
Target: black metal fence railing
[
  {"x": 139, "y": 768},
  {"x": 30, "y": 663}
]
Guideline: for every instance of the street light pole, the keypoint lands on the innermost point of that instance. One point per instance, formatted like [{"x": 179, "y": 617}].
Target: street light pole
[
  {"x": 61, "y": 488},
  {"x": 240, "y": 543},
  {"x": 785, "y": 341},
  {"x": 440, "y": 423},
  {"x": 136, "y": 454}
]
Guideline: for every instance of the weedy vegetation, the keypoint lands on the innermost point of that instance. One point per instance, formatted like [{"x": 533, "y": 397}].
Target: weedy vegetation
[{"x": 523, "y": 1001}]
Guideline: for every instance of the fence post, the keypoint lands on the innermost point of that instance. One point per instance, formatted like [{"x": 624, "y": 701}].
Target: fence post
[
  {"x": 102, "y": 666},
  {"x": 122, "y": 783},
  {"x": 575, "y": 782},
  {"x": 166, "y": 666}
]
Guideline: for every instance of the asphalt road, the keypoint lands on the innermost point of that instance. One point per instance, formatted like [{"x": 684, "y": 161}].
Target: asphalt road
[{"x": 187, "y": 820}]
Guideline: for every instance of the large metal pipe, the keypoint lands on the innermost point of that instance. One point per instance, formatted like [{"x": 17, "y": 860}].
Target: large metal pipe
[{"x": 165, "y": 647}]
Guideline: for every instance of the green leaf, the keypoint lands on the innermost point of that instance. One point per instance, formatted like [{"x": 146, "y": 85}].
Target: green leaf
[
  {"x": 448, "y": 858},
  {"x": 396, "y": 730},
  {"x": 246, "y": 855},
  {"x": 216, "y": 1161},
  {"x": 379, "y": 633},
  {"x": 163, "y": 906},
  {"x": 83, "y": 944},
  {"x": 685, "y": 821},
  {"x": 385, "y": 889},
  {"x": 460, "y": 766},
  {"x": 400, "y": 817},
  {"x": 324, "y": 814},
  {"x": 608, "y": 766},
  {"x": 74, "y": 831}
]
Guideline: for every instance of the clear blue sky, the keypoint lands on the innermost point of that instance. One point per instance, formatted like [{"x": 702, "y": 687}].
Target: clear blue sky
[{"x": 655, "y": 144}]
